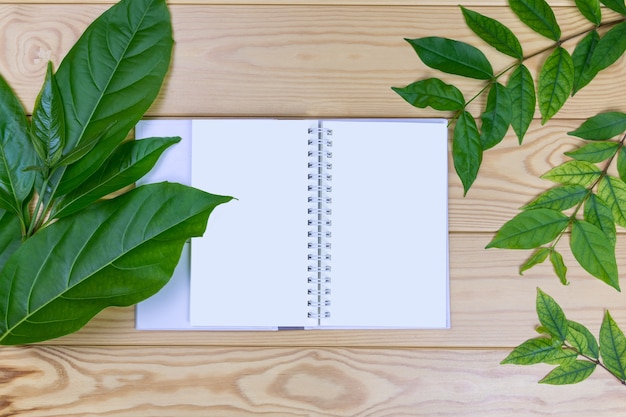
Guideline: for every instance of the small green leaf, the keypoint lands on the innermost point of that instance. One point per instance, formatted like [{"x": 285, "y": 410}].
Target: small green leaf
[
  {"x": 533, "y": 351},
  {"x": 523, "y": 100},
  {"x": 582, "y": 60},
  {"x": 594, "y": 252},
  {"x": 613, "y": 192},
  {"x": 48, "y": 121},
  {"x": 569, "y": 373},
  {"x": 556, "y": 259},
  {"x": 432, "y": 92},
  {"x": 594, "y": 152},
  {"x": 551, "y": 316},
  {"x": 598, "y": 213},
  {"x": 591, "y": 10},
  {"x": 608, "y": 50},
  {"x": 602, "y": 126},
  {"x": 530, "y": 229},
  {"x": 616, "y": 5},
  {"x": 494, "y": 33},
  {"x": 574, "y": 173},
  {"x": 452, "y": 57},
  {"x": 467, "y": 152},
  {"x": 559, "y": 198},
  {"x": 556, "y": 80},
  {"x": 539, "y": 256},
  {"x": 497, "y": 116},
  {"x": 621, "y": 163},
  {"x": 582, "y": 339},
  {"x": 537, "y": 15},
  {"x": 613, "y": 347}
]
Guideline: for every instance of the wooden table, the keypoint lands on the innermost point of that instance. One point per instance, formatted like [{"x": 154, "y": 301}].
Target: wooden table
[{"x": 324, "y": 58}]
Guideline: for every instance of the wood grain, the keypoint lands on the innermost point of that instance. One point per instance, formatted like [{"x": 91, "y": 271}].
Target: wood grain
[
  {"x": 201, "y": 381},
  {"x": 314, "y": 61}
]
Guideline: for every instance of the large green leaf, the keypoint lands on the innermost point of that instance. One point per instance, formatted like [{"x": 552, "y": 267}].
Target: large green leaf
[
  {"x": 538, "y": 350},
  {"x": 530, "y": 229},
  {"x": 602, "y": 126},
  {"x": 467, "y": 152},
  {"x": 613, "y": 347},
  {"x": 494, "y": 33},
  {"x": 581, "y": 57},
  {"x": 432, "y": 92},
  {"x": 556, "y": 80},
  {"x": 130, "y": 161},
  {"x": 559, "y": 198},
  {"x": 116, "y": 253},
  {"x": 616, "y": 5},
  {"x": 594, "y": 252},
  {"x": 537, "y": 15},
  {"x": 48, "y": 122},
  {"x": 523, "y": 100},
  {"x": 125, "y": 51},
  {"x": 16, "y": 152},
  {"x": 10, "y": 235},
  {"x": 551, "y": 316},
  {"x": 569, "y": 373},
  {"x": 453, "y": 57},
  {"x": 591, "y": 10},
  {"x": 497, "y": 116}
]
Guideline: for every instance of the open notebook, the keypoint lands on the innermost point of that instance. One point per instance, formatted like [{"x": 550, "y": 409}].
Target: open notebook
[{"x": 337, "y": 224}]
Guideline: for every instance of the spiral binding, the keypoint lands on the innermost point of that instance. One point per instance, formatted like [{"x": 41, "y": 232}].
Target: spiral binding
[{"x": 319, "y": 221}]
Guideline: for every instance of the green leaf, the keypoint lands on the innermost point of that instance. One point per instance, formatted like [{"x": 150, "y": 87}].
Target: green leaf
[
  {"x": 531, "y": 352},
  {"x": 48, "y": 121},
  {"x": 551, "y": 316},
  {"x": 591, "y": 10},
  {"x": 523, "y": 100},
  {"x": 530, "y": 229},
  {"x": 16, "y": 152},
  {"x": 133, "y": 41},
  {"x": 613, "y": 347},
  {"x": 494, "y": 33},
  {"x": 621, "y": 164},
  {"x": 539, "y": 256},
  {"x": 608, "y": 50},
  {"x": 613, "y": 192},
  {"x": 574, "y": 173},
  {"x": 556, "y": 259},
  {"x": 432, "y": 92},
  {"x": 10, "y": 235},
  {"x": 467, "y": 152},
  {"x": 602, "y": 126},
  {"x": 452, "y": 57},
  {"x": 594, "y": 152},
  {"x": 130, "y": 161},
  {"x": 556, "y": 80},
  {"x": 559, "y": 198},
  {"x": 598, "y": 213},
  {"x": 594, "y": 252},
  {"x": 582, "y": 60},
  {"x": 116, "y": 253},
  {"x": 616, "y": 5},
  {"x": 582, "y": 339},
  {"x": 537, "y": 15},
  {"x": 497, "y": 116},
  {"x": 569, "y": 373}
]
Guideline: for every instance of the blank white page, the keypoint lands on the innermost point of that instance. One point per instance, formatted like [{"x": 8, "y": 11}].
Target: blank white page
[
  {"x": 249, "y": 270},
  {"x": 389, "y": 224}
]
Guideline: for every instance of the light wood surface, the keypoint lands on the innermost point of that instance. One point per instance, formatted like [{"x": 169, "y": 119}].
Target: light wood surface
[{"x": 324, "y": 58}]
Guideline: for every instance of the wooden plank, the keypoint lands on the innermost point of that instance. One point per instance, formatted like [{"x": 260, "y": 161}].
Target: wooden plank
[
  {"x": 315, "y": 61},
  {"x": 304, "y": 2},
  {"x": 491, "y": 306},
  {"x": 201, "y": 381}
]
